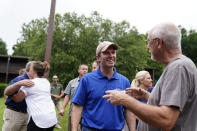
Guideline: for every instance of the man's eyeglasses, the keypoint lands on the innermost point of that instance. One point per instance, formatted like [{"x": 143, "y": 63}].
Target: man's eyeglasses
[{"x": 148, "y": 41}]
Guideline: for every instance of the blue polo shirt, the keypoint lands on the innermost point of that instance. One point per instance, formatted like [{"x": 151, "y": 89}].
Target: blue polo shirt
[
  {"x": 20, "y": 106},
  {"x": 97, "y": 112}
]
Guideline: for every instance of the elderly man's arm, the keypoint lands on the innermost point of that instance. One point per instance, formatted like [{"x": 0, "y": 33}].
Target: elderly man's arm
[
  {"x": 158, "y": 116},
  {"x": 76, "y": 116}
]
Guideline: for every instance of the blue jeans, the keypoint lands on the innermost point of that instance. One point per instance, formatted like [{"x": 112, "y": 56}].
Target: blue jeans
[{"x": 93, "y": 129}]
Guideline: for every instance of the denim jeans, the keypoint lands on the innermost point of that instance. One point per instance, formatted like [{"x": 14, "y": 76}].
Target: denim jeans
[{"x": 93, "y": 129}]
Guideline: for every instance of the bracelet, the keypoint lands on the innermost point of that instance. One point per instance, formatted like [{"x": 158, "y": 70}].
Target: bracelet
[{"x": 144, "y": 94}]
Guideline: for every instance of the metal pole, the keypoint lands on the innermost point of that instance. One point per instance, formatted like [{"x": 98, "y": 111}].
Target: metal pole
[
  {"x": 7, "y": 69},
  {"x": 50, "y": 32},
  {"x": 154, "y": 76}
]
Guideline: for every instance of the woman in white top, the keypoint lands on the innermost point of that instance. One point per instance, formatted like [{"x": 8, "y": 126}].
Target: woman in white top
[{"x": 40, "y": 107}]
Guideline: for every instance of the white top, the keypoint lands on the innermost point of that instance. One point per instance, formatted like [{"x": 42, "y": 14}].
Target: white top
[{"x": 39, "y": 103}]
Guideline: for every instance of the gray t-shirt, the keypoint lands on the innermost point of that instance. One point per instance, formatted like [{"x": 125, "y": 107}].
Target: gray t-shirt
[
  {"x": 70, "y": 90},
  {"x": 177, "y": 87}
]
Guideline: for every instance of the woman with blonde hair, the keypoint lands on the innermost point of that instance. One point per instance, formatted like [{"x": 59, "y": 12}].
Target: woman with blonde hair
[
  {"x": 36, "y": 92},
  {"x": 144, "y": 82}
]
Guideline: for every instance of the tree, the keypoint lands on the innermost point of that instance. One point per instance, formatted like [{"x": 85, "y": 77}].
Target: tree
[
  {"x": 3, "y": 49},
  {"x": 75, "y": 40},
  {"x": 32, "y": 41},
  {"x": 189, "y": 43}
]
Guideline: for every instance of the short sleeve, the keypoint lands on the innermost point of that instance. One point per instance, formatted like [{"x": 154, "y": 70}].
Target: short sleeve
[
  {"x": 67, "y": 91},
  {"x": 80, "y": 94},
  {"x": 127, "y": 84},
  {"x": 61, "y": 87},
  {"x": 175, "y": 88}
]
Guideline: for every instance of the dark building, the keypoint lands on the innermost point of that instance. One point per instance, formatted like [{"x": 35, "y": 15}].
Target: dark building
[
  {"x": 152, "y": 73},
  {"x": 10, "y": 66},
  {"x": 150, "y": 70}
]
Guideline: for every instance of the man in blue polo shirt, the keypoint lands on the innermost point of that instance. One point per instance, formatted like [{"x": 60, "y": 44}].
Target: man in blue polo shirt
[
  {"x": 15, "y": 116},
  {"x": 97, "y": 113}
]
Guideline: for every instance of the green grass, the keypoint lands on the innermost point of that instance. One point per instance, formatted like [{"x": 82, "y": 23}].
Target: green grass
[
  {"x": 64, "y": 119},
  {"x": 2, "y": 87},
  {"x": 2, "y": 107}
]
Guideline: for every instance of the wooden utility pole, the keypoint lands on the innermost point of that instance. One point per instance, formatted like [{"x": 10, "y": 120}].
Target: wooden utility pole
[{"x": 50, "y": 32}]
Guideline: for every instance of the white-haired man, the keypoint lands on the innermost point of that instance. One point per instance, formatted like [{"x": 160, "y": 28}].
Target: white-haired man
[{"x": 172, "y": 104}]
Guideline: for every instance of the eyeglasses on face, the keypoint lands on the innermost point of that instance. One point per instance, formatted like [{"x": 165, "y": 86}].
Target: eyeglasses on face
[{"x": 148, "y": 41}]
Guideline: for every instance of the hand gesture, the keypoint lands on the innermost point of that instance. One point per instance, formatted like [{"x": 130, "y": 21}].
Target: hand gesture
[
  {"x": 114, "y": 96},
  {"x": 62, "y": 112},
  {"x": 56, "y": 96},
  {"x": 136, "y": 92}
]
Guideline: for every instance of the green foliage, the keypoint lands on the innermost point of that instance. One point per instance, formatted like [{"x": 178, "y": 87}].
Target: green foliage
[
  {"x": 2, "y": 107},
  {"x": 132, "y": 54},
  {"x": 189, "y": 43},
  {"x": 158, "y": 67},
  {"x": 64, "y": 119},
  {"x": 32, "y": 41},
  {"x": 75, "y": 40},
  {"x": 3, "y": 49},
  {"x": 2, "y": 87}
]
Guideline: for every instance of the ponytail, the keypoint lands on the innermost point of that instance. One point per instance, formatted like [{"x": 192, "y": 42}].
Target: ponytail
[
  {"x": 41, "y": 68},
  {"x": 135, "y": 83},
  {"x": 46, "y": 68},
  {"x": 139, "y": 76}
]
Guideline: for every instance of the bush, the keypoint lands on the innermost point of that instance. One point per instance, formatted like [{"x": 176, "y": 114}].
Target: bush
[{"x": 2, "y": 87}]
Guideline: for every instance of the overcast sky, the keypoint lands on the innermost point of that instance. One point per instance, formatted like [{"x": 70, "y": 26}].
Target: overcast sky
[{"x": 143, "y": 14}]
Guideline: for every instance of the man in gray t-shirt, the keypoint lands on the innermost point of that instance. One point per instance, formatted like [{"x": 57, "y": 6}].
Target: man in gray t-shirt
[
  {"x": 176, "y": 88},
  {"x": 70, "y": 91},
  {"x": 172, "y": 104}
]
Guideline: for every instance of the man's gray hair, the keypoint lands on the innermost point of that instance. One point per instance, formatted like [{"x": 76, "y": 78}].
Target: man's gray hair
[
  {"x": 169, "y": 33},
  {"x": 28, "y": 65}
]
